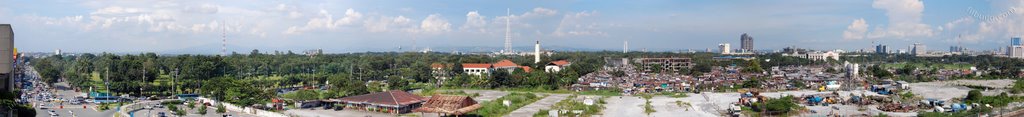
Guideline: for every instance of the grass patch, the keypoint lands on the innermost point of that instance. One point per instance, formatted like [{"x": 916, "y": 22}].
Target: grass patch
[
  {"x": 603, "y": 92},
  {"x": 570, "y": 104},
  {"x": 496, "y": 108},
  {"x": 673, "y": 94}
]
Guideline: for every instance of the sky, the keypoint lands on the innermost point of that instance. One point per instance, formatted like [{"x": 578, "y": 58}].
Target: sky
[{"x": 358, "y": 26}]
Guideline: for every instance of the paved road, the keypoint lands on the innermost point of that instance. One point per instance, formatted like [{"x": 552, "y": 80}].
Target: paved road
[
  {"x": 533, "y": 108},
  {"x": 60, "y": 90}
]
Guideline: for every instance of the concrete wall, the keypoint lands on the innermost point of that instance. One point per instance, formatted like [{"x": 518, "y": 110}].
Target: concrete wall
[{"x": 249, "y": 110}]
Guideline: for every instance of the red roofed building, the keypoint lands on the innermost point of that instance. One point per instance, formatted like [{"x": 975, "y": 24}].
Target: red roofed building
[
  {"x": 556, "y": 66},
  {"x": 477, "y": 68},
  {"x": 506, "y": 65},
  {"x": 394, "y": 101}
]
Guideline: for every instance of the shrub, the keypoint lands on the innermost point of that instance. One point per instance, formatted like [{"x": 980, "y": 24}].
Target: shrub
[{"x": 221, "y": 108}]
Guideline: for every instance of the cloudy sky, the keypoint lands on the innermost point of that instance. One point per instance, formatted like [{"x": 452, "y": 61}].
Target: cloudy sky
[{"x": 354, "y": 26}]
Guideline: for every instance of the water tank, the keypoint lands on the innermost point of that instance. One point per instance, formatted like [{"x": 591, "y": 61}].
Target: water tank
[{"x": 6, "y": 48}]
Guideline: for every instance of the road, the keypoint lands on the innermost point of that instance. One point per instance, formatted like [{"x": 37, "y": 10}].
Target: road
[
  {"x": 533, "y": 108},
  {"x": 58, "y": 90}
]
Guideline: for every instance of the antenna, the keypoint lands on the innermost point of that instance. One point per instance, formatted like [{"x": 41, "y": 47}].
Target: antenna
[
  {"x": 508, "y": 31},
  {"x": 224, "y": 40}
]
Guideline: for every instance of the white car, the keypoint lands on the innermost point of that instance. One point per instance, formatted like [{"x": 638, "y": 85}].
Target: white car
[{"x": 53, "y": 113}]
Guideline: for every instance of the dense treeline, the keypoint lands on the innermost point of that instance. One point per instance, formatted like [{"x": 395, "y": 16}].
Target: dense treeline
[
  {"x": 995, "y": 67},
  {"x": 259, "y": 75}
]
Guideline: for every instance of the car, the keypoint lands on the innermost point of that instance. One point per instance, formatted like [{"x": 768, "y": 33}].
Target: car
[
  {"x": 160, "y": 105},
  {"x": 161, "y": 114},
  {"x": 149, "y": 107},
  {"x": 53, "y": 113}
]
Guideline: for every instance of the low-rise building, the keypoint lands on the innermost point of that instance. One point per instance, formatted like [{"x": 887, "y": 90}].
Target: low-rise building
[
  {"x": 555, "y": 66},
  {"x": 394, "y": 101},
  {"x": 477, "y": 68}
]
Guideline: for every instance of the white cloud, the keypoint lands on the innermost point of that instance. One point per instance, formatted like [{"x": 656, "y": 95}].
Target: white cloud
[
  {"x": 204, "y": 9},
  {"x": 856, "y": 30},
  {"x": 351, "y": 17},
  {"x": 576, "y": 25},
  {"x": 386, "y": 23},
  {"x": 539, "y": 11},
  {"x": 115, "y": 10},
  {"x": 475, "y": 21},
  {"x": 434, "y": 23},
  {"x": 326, "y": 21},
  {"x": 904, "y": 20}
]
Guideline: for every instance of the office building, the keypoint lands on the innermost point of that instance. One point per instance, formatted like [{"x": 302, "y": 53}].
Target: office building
[
  {"x": 918, "y": 49},
  {"x": 957, "y": 49},
  {"x": 746, "y": 43},
  {"x": 881, "y": 49},
  {"x": 1015, "y": 50},
  {"x": 724, "y": 48}
]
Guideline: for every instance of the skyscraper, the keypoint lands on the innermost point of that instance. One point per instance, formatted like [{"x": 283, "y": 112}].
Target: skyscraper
[
  {"x": 1015, "y": 50},
  {"x": 881, "y": 49},
  {"x": 746, "y": 43},
  {"x": 1015, "y": 41}
]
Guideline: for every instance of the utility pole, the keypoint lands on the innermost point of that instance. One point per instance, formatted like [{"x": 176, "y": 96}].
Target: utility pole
[
  {"x": 143, "y": 81},
  {"x": 174, "y": 80},
  {"x": 106, "y": 81}
]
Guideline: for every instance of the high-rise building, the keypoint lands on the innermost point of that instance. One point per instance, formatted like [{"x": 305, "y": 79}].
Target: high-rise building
[
  {"x": 918, "y": 49},
  {"x": 6, "y": 58},
  {"x": 1015, "y": 41},
  {"x": 724, "y": 48},
  {"x": 746, "y": 43},
  {"x": 959, "y": 49},
  {"x": 881, "y": 49},
  {"x": 1015, "y": 50}
]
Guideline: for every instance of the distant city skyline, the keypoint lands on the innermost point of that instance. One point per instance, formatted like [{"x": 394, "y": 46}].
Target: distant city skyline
[{"x": 360, "y": 26}]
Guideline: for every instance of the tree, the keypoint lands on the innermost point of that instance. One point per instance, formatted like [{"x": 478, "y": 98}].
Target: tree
[
  {"x": 753, "y": 66},
  {"x": 974, "y": 95},
  {"x": 752, "y": 83},
  {"x": 220, "y": 108},
  {"x": 776, "y": 106}
]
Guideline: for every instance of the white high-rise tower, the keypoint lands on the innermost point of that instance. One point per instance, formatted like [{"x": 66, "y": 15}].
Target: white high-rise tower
[
  {"x": 625, "y": 46},
  {"x": 508, "y": 31},
  {"x": 536, "y": 52}
]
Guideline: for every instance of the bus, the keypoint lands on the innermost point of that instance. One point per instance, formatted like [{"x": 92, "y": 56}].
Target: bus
[
  {"x": 186, "y": 97},
  {"x": 105, "y": 99}
]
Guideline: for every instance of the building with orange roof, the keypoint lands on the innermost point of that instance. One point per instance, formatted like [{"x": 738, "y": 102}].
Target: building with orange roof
[
  {"x": 477, "y": 68},
  {"x": 555, "y": 66}
]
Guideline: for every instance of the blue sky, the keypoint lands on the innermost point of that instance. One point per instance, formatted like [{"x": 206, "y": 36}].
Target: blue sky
[{"x": 356, "y": 26}]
